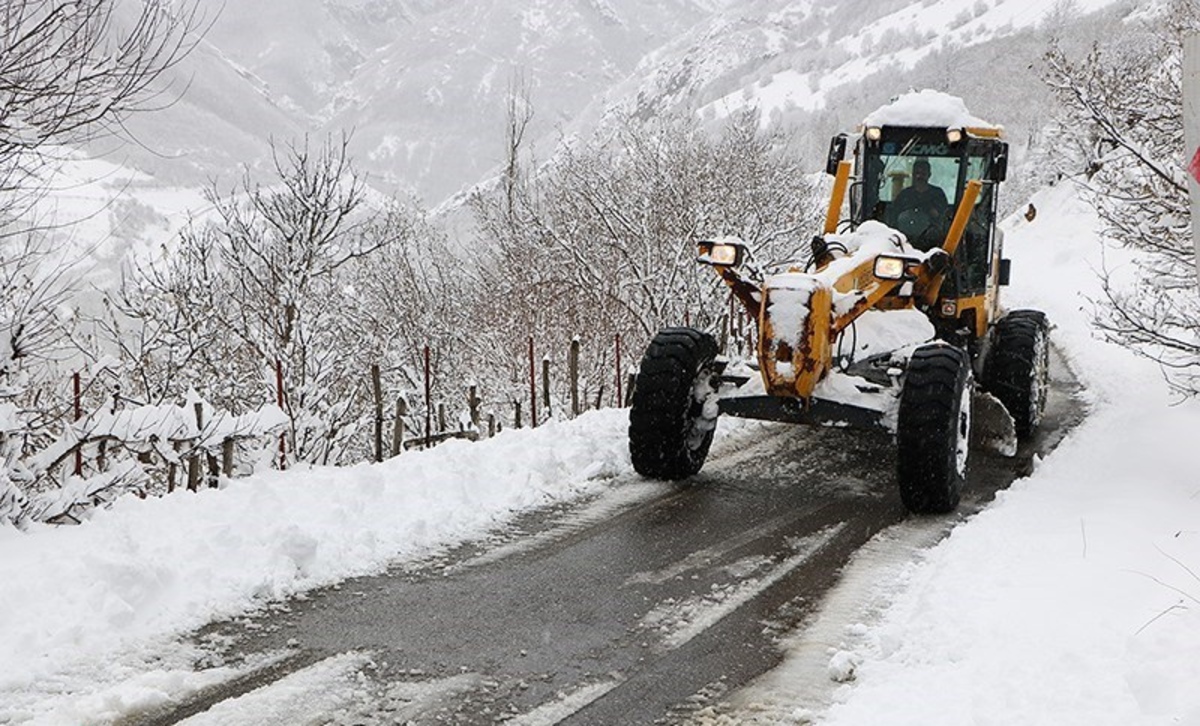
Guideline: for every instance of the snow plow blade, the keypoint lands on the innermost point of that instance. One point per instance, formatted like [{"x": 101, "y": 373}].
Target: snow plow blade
[
  {"x": 792, "y": 410},
  {"x": 992, "y": 427}
]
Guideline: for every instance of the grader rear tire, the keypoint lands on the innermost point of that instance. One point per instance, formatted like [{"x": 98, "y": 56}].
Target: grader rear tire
[
  {"x": 934, "y": 429},
  {"x": 673, "y": 413},
  {"x": 1017, "y": 371}
]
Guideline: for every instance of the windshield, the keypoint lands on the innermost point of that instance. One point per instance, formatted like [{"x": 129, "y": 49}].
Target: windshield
[
  {"x": 890, "y": 166},
  {"x": 912, "y": 179}
]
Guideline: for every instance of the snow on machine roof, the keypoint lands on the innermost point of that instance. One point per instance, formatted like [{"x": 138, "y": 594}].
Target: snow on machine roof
[{"x": 930, "y": 108}]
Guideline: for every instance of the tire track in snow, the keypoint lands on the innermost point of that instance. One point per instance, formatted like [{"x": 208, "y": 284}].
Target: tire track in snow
[{"x": 684, "y": 621}]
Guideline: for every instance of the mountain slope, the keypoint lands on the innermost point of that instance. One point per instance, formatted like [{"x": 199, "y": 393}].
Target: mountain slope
[{"x": 421, "y": 86}]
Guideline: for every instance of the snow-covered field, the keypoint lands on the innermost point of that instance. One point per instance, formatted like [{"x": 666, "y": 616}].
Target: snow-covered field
[{"x": 1073, "y": 599}]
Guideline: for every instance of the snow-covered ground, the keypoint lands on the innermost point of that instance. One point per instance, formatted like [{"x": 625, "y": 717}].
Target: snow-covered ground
[{"x": 1074, "y": 598}]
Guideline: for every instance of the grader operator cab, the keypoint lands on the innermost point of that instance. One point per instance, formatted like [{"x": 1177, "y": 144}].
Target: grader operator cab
[{"x": 893, "y": 322}]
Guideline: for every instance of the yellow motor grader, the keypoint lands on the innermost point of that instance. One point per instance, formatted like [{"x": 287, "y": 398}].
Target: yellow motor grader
[{"x": 893, "y": 322}]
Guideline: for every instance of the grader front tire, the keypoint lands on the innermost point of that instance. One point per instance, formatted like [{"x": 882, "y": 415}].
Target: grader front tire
[
  {"x": 934, "y": 429},
  {"x": 673, "y": 413}
]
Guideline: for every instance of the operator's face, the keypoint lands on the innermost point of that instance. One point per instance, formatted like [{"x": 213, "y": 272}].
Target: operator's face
[{"x": 920, "y": 177}]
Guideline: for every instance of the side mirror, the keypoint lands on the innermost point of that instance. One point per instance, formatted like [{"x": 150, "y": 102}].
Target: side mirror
[
  {"x": 999, "y": 171},
  {"x": 1005, "y": 271},
  {"x": 837, "y": 152},
  {"x": 721, "y": 253}
]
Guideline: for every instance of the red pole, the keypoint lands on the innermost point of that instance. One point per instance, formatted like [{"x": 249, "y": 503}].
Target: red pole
[
  {"x": 78, "y": 415},
  {"x": 428, "y": 399},
  {"x": 620, "y": 397},
  {"x": 532, "y": 387},
  {"x": 279, "y": 402}
]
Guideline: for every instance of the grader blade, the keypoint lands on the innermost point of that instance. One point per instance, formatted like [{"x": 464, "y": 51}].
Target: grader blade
[
  {"x": 992, "y": 427},
  {"x": 792, "y": 410}
]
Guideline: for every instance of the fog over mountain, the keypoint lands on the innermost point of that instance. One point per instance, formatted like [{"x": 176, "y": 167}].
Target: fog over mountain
[{"x": 421, "y": 85}]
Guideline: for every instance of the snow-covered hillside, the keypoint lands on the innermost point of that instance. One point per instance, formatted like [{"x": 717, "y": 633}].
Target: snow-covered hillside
[{"x": 422, "y": 86}]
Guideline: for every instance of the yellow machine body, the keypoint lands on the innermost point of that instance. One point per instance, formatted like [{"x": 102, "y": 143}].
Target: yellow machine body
[{"x": 801, "y": 311}]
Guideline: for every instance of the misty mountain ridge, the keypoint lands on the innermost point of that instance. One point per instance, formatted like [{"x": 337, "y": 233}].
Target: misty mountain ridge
[{"x": 421, "y": 86}]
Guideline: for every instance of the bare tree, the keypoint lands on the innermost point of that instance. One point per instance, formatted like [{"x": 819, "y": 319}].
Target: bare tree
[
  {"x": 287, "y": 273},
  {"x": 70, "y": 70},
  {"x": 1124, "y": 98},
  {"x": 602, "y": 240},
  {"x": 518, "y": 116},
  {"x": 74, "y": 69},
  {"x": 416, "y": 296},
  {"x": 164, "y": 324}
]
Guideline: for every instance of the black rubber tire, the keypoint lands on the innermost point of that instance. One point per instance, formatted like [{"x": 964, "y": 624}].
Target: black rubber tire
[
  {"x": 670, "y": 429},
  {"x": 1017, "y": 367},
  {"x": 933, "y": 429}
]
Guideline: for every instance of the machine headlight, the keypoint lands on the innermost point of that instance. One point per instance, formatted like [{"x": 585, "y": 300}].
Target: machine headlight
[
  {"x": 890, "y": 268},
  {"x": 954, "y": 135},
  {"x": 874, "y": 133},
  {"x": 722, "y": 254}
]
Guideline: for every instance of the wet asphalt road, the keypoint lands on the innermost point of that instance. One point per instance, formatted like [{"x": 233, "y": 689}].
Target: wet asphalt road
[{"x": 663, "y": 598}]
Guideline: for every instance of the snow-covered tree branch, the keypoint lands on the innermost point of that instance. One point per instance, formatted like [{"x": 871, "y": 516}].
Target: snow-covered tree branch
[
  {"x": 601, "y": 240},
  {"x": 1124, "y": 99}
]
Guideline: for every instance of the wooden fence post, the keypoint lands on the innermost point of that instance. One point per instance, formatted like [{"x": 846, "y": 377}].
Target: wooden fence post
[
  {"x": 194, "y": 459},
  {"x": 491, "y": 425},
  {"x": 377, "y": 391},
  {"x": 398, "y": 426},
  {"x": 428, "y": 400},
  {"x": 473, "y": 404},
  {"x": 517, "y": 406},
  {"x": 573, "y": 375},
  {"x": 279, "y": 402},
  {"x": 214, "y": 480},
  {"x": 227, "y": 449},
  {"x": 193, "y": 473}
]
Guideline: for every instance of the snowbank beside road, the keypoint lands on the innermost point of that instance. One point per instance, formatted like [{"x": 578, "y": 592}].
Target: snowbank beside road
[{"x": 73, "y": 599}]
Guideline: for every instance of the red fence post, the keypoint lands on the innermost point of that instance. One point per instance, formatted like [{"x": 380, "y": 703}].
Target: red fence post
[
  {"x": 78, "y": 415},
  {"x": 620, "y": 397},
  {"x": 428, "y": 399},
  {"x": 279, "y": 402}
]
